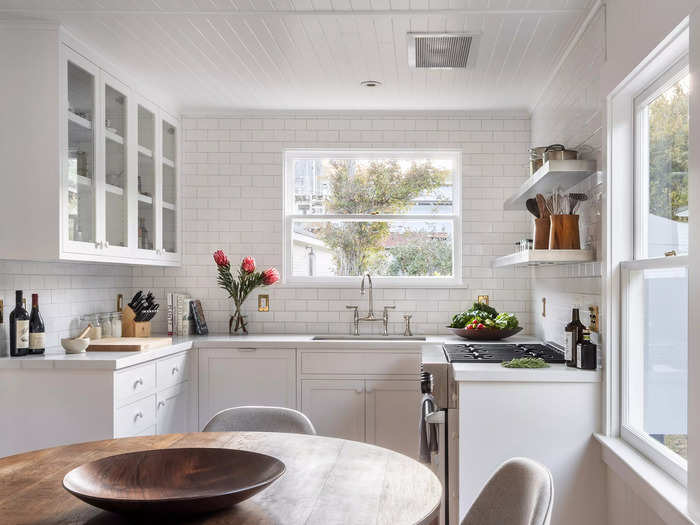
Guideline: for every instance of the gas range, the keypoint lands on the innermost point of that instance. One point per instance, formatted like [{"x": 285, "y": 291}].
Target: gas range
[{"x": 476, "y": 352}]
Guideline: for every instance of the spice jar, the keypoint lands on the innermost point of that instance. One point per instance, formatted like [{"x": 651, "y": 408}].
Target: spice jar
[
  {"x": 117, "y": 324},
  {"x": 96, "y": 330},
  {"x": 106, "y": 322}
]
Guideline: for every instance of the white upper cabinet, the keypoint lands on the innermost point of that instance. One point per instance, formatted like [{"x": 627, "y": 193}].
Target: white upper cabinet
[{"x": 112, "y": 194}]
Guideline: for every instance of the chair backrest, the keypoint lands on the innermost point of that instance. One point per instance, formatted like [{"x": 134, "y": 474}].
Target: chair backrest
[
  {"x": 260, "y": 419},
  {"x": 520, "y": 492}
]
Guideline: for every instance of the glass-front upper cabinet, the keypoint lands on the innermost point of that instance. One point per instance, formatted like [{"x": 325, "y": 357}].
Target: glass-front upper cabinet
[
  {"x": 169, "y": 188},
  {"x": 116, "y": 208},
  {"x": 146, "y": 178},
  {"x": 79, "y": 173}
]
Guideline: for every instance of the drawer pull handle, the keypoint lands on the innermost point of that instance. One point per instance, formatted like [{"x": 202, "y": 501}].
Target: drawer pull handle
[
  {"x": 161, "y": 403},
  {"x": 138, "y": 382},
  {"x": 138, "y": 415},
  {"x": 175, "y": 370},
  {"x": 247, "y": 349}
]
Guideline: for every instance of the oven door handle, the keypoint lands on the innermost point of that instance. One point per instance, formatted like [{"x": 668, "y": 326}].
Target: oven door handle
[{"x": 437, "y": 417}]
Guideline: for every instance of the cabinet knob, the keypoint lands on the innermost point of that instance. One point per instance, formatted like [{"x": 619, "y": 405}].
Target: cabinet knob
[
  {"x": 175, "y": 370},
  {"x": 161, "y": 403},
  {"x": 138, "y": 382},
  {"x": 138, "y": 415}
]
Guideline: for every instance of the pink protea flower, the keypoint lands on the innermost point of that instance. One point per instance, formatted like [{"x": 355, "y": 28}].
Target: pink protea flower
[
  {"x": 270, "y": 276},
  {"x": 248, "y": 264},
  {"x": 220, "y": 258}
]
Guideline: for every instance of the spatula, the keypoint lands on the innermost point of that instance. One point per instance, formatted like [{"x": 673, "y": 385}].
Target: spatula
[{"x": 532, "y": 207}]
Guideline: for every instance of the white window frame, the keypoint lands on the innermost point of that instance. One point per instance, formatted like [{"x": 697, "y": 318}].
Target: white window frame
[
  {"x": 455, "y": 218},
  {"x": 625, "y": 242}
]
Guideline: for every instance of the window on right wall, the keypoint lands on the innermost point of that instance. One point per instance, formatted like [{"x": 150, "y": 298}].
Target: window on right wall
[{"x": 654, "y": 282}]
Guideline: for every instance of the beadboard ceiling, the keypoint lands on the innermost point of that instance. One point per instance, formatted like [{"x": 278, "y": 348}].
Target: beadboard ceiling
[{"x": 220, "y": 55}]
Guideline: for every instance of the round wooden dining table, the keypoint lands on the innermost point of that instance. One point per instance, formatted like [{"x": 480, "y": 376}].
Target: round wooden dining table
[{"x": 328, "y": 481}]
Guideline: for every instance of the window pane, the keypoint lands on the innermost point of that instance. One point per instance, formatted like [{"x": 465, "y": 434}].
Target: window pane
[
  {"x": 658, "y": 356},
  {"x": 668, "y": 171},
  {"x": 384, "y": 248},
  {"x": 390, "y": 186}
]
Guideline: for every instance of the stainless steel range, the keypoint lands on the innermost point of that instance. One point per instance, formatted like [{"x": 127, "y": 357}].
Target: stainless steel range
[{"x": 500, "y": 352}]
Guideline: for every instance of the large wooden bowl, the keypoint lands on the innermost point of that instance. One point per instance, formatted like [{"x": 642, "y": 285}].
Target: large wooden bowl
[
  {"x": 485, "y": 334},
  {"x": 177, "y": 480}
]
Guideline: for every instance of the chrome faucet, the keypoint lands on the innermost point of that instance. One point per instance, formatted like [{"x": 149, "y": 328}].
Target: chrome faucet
[{"x": 370, "y": 312}]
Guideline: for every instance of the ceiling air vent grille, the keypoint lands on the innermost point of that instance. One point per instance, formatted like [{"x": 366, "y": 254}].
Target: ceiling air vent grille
[{"x": 441, "y": 50}]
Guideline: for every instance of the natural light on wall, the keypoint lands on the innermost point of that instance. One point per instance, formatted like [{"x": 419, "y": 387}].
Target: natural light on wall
[{"x": 392, "y": 214}]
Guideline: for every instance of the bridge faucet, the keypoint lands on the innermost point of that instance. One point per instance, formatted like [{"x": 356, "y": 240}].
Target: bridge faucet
[{"x": 370, "y": 311}]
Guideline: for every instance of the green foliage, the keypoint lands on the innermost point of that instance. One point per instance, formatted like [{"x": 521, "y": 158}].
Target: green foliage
[
  {"x": 423, "y": 257},
  {"x": 238, "y": 289},
  {"x": 668, "y": 154},
  {"x": 378, "y": 187},
  {"x": 526, "y": 362},
  {"x": 486, "y": 315}
]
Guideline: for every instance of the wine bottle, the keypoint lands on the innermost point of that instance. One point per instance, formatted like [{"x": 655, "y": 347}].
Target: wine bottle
[
  {"x": 573, "y": 333},
  {"x": 19, "y": 328},
  {"x": 37, "y": 330},
  {"x": 587, "y": 358}
]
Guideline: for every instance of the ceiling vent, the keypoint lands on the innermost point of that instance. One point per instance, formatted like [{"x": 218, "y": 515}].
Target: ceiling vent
[{"x": 442, "y": 50}]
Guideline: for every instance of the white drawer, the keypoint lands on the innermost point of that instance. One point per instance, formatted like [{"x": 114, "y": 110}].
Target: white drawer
[
  {"x": 136, "y": 418},
  {"x": 378, "y": 362},
  {"x": 135, "y": 382},
  {"x": 173, "y": 370}
]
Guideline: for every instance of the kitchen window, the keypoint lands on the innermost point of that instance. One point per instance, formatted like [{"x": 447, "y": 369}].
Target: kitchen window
[
  {"x": 393, "y": 214},
  {"x": 654, "y": 277}
]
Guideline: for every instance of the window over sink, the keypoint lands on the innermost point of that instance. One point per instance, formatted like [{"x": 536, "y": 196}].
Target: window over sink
[{"x": 393, "y": 214}]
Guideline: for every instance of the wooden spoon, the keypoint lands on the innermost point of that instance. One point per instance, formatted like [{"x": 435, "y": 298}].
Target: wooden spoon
[
  {"x": 542, "y": 204},
  {"x": 533, "y": 207}
]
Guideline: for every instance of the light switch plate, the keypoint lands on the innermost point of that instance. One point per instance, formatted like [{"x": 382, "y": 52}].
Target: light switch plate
[
  {"x": 593, "y": 319},
  {"x": 483, "y": 299},
  {"x": 263, "y": 303}
]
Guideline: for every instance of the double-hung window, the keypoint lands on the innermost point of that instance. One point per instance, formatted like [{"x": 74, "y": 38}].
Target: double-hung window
[
  {"x": 393, "y": 214},
  {"x": 654, "y": 279}
]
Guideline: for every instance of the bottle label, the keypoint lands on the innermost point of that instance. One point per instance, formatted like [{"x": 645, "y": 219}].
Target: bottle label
[
  {"x": 579, "y": 347},
  {"x": 36, "y": 340},
  {"x": 569, "y": 345},
  {"x": 22, "y": 334}
]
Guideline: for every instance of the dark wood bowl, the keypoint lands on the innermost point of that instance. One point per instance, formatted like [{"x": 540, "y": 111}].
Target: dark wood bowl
[
  {"x": 175, "y": 480},
  {"x": 485, "y": 334}
]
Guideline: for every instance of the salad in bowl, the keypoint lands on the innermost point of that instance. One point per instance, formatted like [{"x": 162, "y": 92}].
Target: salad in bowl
[{"x": 483, "y": 322}]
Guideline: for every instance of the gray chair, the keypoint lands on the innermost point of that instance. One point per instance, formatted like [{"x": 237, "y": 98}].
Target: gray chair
[
  {"x": 520, "y": 492},
  {"x": 260, "y": 419}
]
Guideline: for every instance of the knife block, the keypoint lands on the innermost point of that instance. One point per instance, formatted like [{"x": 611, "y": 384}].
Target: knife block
[{"x": 133, "y": 328}]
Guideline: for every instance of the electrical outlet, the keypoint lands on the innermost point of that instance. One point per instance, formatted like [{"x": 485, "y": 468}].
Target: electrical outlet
[
  {"x": 483, "y": 299},
  {"x": 263, "y": 303},
  {"x": 593, "y": 319}
]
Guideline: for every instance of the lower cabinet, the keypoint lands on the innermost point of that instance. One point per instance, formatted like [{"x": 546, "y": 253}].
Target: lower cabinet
[
  {"x": 173, "y": 410},
  {"x": 335, "y": 407},
  {"x": 230, "y": 377}
]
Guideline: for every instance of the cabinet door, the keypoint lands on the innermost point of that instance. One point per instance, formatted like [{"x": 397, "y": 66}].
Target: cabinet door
[
  {"x": 245, "y": 376},
  {"x": 336, "y": 407},
  {"x": 168, "y": 201},
  {"x": 393, "y": 411},
  {"x": 146, "y": 177},
  {"x": 80, "y": 181},
  {"x": 172, "y": 409}
]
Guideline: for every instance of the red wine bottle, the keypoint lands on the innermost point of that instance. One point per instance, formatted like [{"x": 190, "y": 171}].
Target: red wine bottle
[
  {"x": 37, "y": 330},
  {"x": 19, "y": 328},
  {"x": 574, "y": 335}
]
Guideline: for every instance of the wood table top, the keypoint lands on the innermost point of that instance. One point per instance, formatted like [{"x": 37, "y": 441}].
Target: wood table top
[{"x": 328, "y": 481}]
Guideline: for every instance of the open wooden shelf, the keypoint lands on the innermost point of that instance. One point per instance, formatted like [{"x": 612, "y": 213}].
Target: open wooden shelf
[
  {"x": 540, "y": 257},
  {"x": 562, "y": 174}
]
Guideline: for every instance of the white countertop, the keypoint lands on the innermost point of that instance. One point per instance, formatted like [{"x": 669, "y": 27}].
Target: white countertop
[{"x": 430, "y": 347}]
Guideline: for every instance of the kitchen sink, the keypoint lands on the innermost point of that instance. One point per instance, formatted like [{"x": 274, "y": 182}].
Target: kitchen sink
[{"x": 368, "y": 338}]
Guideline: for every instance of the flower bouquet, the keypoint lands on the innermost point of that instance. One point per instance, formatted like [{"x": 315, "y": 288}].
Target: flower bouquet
[{"x": 238, "y": 289}]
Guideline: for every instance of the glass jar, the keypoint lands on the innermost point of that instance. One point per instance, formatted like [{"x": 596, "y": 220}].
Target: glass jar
[
  {"x": 117, "y": 324},
  {"x": 106, "y": 323},
  {"x": 96, "y": 330}
]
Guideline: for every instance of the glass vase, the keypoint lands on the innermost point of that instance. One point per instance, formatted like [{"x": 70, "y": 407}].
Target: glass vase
[{"x": 238, "y": 323}]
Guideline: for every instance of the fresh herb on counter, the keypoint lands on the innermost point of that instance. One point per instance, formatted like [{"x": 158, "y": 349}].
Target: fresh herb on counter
[{"x": 525, "y": 362}]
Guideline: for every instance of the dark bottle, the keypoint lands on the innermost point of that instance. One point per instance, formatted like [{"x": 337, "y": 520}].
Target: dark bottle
[
  {"x": 19, "y": 328},
  {"x": 37, "y": 330},
  {"x": 573, "y": 334},
  {"x": 587, "y": 353}
]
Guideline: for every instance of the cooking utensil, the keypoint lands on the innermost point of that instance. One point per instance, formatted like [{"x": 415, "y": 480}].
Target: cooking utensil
[
  {"x": 533, "y": 207},
  {"x": 564, "y": 233},
  {"x": 542, "y": 233},
  {"x": 168, "y": 482},
  {"x": 542, "y": 205},
  {"x": 575, "y": 199},
  {"x": 559, "y": 152},
  {"x": 75, "y": 345}
]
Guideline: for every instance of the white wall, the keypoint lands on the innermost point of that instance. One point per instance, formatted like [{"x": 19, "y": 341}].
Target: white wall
[
  {"x": 66, "y": 291},
  {"x": 232, "y": 199}
]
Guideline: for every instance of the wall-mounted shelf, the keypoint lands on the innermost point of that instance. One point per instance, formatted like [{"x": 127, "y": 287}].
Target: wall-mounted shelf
[
  {"x": 540, "y": 257},
  {"x": 563, "y": 174}
]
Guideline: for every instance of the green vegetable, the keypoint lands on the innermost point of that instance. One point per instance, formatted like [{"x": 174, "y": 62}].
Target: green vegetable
[
  {"x": 486, "y": 315},
  {"x": 526, "y": 362}
]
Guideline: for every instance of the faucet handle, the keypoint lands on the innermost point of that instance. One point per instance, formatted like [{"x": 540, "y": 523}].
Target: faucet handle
[
  {"x": 351, "y": 306},
  {"x": 390, "y": 307}
]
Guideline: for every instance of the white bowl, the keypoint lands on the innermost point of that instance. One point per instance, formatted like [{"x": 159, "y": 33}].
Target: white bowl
[{"x": 75, "y": 346}]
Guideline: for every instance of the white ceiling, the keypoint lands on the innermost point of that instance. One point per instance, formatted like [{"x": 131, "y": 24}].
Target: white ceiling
[{"x": 219, "y": 55}]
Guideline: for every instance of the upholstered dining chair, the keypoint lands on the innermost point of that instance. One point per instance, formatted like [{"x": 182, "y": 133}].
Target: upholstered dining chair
[
  {"x": 260, "y": 419},
  {"x": 520, "y": 492}
]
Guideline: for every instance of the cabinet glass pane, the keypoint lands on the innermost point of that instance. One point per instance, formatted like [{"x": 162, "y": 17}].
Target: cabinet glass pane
[
  {"x": 81, "y": 155},
  {"x": 146, "y": 178},
  {"x": 116, "y": 211},
  {"x": 169, "y": 188}
]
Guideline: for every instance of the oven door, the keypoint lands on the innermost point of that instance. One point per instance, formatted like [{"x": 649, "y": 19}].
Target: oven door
[{"x": 439, "y": 460}]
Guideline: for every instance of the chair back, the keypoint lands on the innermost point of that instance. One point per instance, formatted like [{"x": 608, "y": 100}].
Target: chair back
[{"x": 260, "y": 419}]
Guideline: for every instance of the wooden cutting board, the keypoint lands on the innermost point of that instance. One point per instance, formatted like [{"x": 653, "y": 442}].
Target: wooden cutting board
[{"x": 128, "y": 344}]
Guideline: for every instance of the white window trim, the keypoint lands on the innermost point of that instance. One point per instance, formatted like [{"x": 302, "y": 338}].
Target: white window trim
[
  {"x": 386, "y": 282},
  {"x": 620, "y": 234}
]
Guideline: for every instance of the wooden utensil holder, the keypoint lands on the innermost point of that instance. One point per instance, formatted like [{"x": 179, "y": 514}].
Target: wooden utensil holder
[
  {"x": 563, "y": 232},
  {"x": 541, "y": 235},
  {"x": 133, "y": 328}
]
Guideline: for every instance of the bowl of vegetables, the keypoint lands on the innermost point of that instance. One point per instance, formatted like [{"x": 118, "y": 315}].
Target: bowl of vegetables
[{"x": 483, "y": 323}]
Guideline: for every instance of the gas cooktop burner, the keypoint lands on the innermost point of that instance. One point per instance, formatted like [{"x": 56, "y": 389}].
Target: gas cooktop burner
[{"x": 499, "y": 352}]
